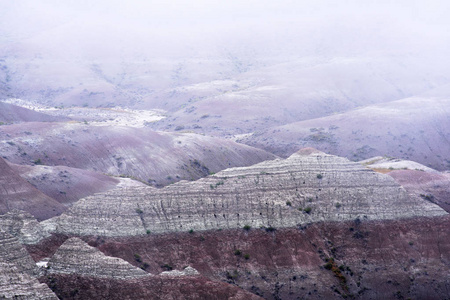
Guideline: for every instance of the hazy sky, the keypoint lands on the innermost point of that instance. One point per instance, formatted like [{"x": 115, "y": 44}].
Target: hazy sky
[{"x": 369, "y": 22}]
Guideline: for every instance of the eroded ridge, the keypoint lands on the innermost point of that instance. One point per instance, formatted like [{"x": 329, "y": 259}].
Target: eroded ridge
[
  {"x": 310, "y": 186},
  {"x": 77, "y": 257}
]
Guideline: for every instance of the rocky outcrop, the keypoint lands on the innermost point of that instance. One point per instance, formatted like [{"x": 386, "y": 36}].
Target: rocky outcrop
[
  {"x": 77, "y": 257},
  {"x": 24, "y": 226},
  {"x": 310, "y": 186},
  {"x": 12, "y": 252},
  {"x": 21, "y": 286},
  {"x": 188, "y": 271}
]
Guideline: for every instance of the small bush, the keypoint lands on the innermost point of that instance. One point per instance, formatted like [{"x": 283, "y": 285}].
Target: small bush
[
  {"x": 319, "y": 176},
  {"x": 247, "y": 227},
  {"x": 237, "y": 252},
  {"x": 270, "y": 229},
  {"x": 139, "y": 211},
  {"x": 191, "y": 231},
  {"x": 288, "y": 203},
  {"x": 137, "y": 258},
  {"x": 338, "y": 205},
  {"x": 167, "y": 267},
  {"x": 247, "y": 256},
  {"x": 307, "y": 209},
  {"x": 148, "y": 231}
]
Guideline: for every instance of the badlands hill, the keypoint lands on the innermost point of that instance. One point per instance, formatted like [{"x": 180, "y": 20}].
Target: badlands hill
[
  {"x": 313, "y": 225},
  {"x": 67, "y": 185},
  {"x": 157, "y": 158},
  {"x": 413, "y": 129},
  {"x": 309, "y": 186},
  {"x": 10, "y": 113},
  {"x": 16, "y": 193}
]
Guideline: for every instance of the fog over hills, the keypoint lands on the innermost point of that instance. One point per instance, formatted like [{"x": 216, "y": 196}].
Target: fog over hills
[{"x": 224, "y": 149}]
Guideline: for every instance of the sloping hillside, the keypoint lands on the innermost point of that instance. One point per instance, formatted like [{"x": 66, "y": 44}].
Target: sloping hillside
[
  {"x": 413, "y": 129},
  {"x": 16, "y": 193},
  {"x": 156, "y": 158}
]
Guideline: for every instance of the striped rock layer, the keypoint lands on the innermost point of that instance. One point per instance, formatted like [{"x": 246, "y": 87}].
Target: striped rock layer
[{"x": 310, "y": 186}]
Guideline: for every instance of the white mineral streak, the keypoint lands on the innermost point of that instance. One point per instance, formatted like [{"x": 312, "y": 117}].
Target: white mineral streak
[
  {"x": 266, "y": 194},
  {"x": 188, "y": 271}
]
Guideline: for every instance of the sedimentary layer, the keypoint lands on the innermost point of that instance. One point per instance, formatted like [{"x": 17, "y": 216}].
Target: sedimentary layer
[
  {"x": 310, "y": 186},
  {"x": 77, "y": 257}
]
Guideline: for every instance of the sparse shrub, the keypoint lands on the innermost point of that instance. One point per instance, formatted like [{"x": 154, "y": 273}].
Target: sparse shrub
[
  {"x": 191, "y": 231},
  {"x": 338, "y": 205},
  {"x": 270, "y": 229},
  {"x": 288, "y": 203},
  {"x": 145, "y": 266},
  {"x": 237, "y": 252},
  {"x": 167, "y": 267},
  {"x": 411, "y": 243},
  {"x": 319, "y": 176},
  {"x": 137, "y": 258},
  {"x": 247, "y": 227},
  {"x": 232, "y": 275},
  {"x": 308, "y": 209},
  {"x": 139, "y": 211},
  {"x": 179, "y": 127},
  {"x": 148, "y": 231},
  {"x": 247, "y": 256},
  {"x": 38, "y": 162}
]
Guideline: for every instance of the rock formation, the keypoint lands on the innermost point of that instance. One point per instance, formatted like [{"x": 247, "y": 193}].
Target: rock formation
[
  {"x": 188, "y": 271},
  {"x": 17, "y": 285},
  {"x": 12, "y": 252},
  {"x": 77, "y": 257},
  {"x": 310, "y": 186},
  {"x": 22, "y": 225}
]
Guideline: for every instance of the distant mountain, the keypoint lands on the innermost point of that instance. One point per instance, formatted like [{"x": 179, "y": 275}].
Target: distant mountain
[{"x": 300, "y": 90}]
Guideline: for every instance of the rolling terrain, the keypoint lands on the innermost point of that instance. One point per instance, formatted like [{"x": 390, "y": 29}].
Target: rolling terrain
[
  {"x": 157, "y": 158},
  {"x": 413, "y": 129},
  {"x": 391, "y": 244}
]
